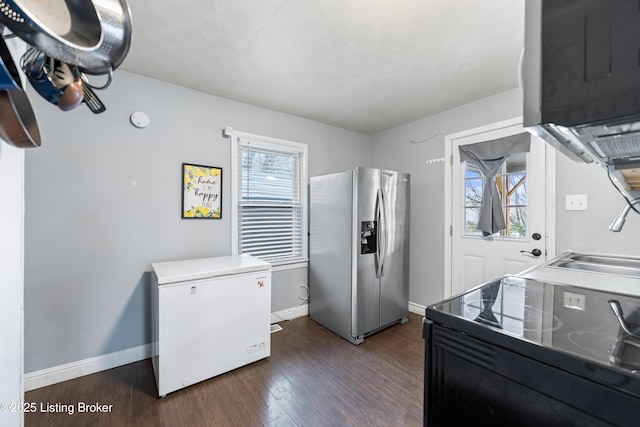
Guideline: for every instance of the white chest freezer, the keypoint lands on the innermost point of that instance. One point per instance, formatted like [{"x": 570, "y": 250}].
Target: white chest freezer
[{"x": 209, "y": 316}]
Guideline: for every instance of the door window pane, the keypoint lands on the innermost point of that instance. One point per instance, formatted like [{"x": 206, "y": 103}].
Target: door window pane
[
  {"x": 473, "y": 192},
  {"x": 517, "y": 189},
  {"x": 472, "y": 171},
  {"x": 517, "y": 224},
  {"x": 471, "y": 216},
  {"x": 511, "y": 181}
]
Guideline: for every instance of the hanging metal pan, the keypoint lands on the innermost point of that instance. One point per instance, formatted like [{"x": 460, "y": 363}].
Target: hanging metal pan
[
  {"x": 93, "y": 35},
  {"x": 18, "y": 126},
  {"x": 68, "y": 23},
  {"x": 115, "y": 18},
  {"x": 9, "y": 77}
]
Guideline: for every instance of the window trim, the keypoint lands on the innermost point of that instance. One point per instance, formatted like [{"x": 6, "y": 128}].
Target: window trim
[{"x": 269, "y": 143}]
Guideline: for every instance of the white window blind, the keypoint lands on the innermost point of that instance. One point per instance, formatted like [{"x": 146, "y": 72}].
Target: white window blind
[{"x": 271, "y": 196}]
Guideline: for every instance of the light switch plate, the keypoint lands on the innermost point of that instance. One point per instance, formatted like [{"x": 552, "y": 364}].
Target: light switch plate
[{"x": 576, "y": 202}]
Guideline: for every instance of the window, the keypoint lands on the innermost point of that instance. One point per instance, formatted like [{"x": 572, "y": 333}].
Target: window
[
  {"x": 269, "y": 186},
  {"x": 511, "y": 181}
]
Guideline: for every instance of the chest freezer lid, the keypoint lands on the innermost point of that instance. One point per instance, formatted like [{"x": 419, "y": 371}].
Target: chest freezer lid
[{"x": 206, "y": 268}]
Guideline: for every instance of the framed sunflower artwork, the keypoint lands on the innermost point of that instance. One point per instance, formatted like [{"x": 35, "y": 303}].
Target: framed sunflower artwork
[{"x": 201, "y": 192}]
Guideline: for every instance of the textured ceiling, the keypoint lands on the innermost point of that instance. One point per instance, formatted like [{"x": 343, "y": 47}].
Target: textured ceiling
[{"x": 363, "y": 65}]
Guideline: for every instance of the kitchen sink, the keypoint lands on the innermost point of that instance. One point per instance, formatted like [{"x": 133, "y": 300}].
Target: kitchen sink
[
  {"x": 605, "y": 272},
  {"x": 599, "y": 264}
]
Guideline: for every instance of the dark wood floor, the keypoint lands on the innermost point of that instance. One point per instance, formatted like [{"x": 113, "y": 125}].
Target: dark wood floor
[{"x": 312, "y": 378}]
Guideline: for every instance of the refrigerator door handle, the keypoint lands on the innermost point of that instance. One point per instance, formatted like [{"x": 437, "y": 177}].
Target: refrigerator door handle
[
  {"x": 381, "y": 234},
  {"x": 378, "y": 261}
]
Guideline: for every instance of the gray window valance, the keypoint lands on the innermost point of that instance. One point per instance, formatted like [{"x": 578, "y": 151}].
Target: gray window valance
[{"x": 489, "y": 156}]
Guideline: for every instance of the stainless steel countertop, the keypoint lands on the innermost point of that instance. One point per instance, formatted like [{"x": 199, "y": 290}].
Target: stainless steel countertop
[{"x": 618, "y": 283}]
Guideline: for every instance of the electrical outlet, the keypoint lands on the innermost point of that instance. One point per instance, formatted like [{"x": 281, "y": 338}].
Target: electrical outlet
[
  {"x": 574, "y": 301},
  {"x": 576, "y": 202}
]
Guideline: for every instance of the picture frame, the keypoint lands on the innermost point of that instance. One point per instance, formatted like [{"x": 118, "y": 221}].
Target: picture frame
[{"x": 201, "y": 191}]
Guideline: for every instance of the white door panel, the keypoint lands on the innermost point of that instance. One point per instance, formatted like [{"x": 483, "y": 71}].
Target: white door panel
[
  {"x": 472, "y": 270},
  {"x": 476, "y": 259}
]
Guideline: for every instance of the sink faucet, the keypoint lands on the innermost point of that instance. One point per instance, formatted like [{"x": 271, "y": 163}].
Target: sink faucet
[{"x": 618, "y": 223}]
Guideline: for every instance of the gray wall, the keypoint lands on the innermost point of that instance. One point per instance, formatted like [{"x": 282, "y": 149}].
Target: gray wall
[
  {"x": 578, "y": 230},
  {"x": 588, "y": 230},
  {"x": 103, "y": 198},
  {"x": 103, "y": 202},
  {"x": 391, "y": 149}
]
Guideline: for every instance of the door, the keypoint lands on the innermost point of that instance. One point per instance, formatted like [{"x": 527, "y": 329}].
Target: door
[
  {"x": 366, "y": 304},
  {"x": 521, "y": 185},
  {"x": 394, "y": 289}
]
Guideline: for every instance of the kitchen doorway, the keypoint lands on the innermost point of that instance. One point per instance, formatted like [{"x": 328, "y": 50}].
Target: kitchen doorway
[{"x": 526, "y": 186}]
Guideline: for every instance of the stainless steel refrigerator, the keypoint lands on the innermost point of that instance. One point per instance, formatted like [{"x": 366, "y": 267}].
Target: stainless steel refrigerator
[{"x": 359, "y": 251}]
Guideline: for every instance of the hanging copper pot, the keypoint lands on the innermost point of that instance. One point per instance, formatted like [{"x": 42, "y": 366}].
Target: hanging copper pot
[{"x": 18, "y": 126}]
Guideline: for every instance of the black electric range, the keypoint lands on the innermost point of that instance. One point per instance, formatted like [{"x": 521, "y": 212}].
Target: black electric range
[{"x": 518, "y": 351}]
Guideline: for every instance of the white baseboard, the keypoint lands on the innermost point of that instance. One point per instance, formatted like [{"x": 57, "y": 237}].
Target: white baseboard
[
  {"x": 417, "y": 308},
  {"x": 290, "y": 313},
  {"x": 69, "y": 371},
  {"x": 303, "y": 310}
]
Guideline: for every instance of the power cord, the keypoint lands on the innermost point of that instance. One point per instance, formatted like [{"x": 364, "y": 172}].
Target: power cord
[
  {"x": 302, "y": 297},
  {"x": 621, "y": 193}
]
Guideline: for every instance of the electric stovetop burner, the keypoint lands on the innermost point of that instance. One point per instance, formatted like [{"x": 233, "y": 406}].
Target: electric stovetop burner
[{"x": 590, "y": 324}]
